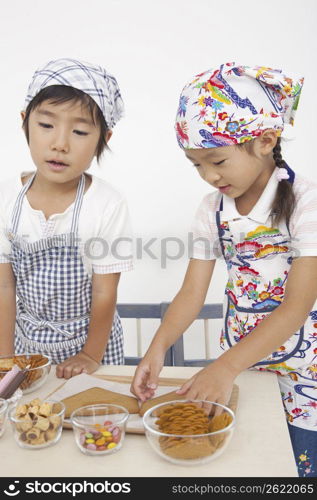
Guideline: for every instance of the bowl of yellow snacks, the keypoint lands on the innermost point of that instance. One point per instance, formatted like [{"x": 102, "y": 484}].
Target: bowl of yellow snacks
[
  {"x": 35, "y": 366},
  {"x": 37, "y": 424},
  {"x": 185, "y": 433}
]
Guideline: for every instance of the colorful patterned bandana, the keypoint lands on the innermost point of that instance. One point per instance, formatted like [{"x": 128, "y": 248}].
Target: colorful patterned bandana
[
  {"x": 95, "y": 81},
  {"x": 235, "y": 104}
]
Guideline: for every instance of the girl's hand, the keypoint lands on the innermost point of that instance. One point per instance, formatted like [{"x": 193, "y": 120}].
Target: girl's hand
[
  {"x": 212, "y": 383},
  {"x": 80, "y": 363},
  {"x": 145, "y": 379}
]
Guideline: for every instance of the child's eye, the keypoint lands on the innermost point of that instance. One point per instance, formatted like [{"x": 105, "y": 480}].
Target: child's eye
[
  {"x": 45, "y": 125},
  {"x": 80, "y": 132},
  {"x": 196, "y": 165},
  {"x": 219, "y": 162}
]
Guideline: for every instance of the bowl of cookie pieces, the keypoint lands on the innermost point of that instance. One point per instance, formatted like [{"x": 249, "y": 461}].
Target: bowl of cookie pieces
[
  {"x": 37, "y": 424},
  {"x": 189, "y": 432},
  {"x": 36, "y": 366}
]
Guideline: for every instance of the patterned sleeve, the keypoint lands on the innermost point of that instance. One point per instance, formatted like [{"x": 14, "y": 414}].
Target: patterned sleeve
[
  {"x": 303, "y": 225},
  {"x": 204, "y": 239},
  {"x": 111, "y": 251}
]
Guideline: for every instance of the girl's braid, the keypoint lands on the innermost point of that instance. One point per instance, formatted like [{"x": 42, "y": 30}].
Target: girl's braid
[
  {"x": 284, "y": 201},
  {"x": 277, "y": 155}
]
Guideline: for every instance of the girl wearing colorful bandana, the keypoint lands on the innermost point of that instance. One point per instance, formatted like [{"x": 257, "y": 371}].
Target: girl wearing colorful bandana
[
  {"x": 262, "y": 221},
  {"x": 60, "y": 227}
]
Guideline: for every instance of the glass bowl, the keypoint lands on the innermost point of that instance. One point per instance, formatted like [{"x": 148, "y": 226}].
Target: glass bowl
[
  {"x": 99, "y": 429},
  {"x": 3, "y": 414},
  {"x": 35, "y": 377},
  {"x": 188, "y": 447},
  {"x": 37, "y": 426},
  {"x": 15, "y": 398}
]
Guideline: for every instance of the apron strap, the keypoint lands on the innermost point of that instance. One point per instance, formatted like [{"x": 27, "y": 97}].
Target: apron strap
[
  {"x": 221, "y": 204},
  {"x": 218, "y": 222},
  {"x": 19, "y": 201},
  {"x": 291, "y": 179},
  {"x": 18, "y": 205},
  {"x": 78, "y": 204}
]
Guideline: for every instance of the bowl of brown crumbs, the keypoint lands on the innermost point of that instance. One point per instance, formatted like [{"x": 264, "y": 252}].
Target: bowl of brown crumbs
[{"x": 189, "y": 432}]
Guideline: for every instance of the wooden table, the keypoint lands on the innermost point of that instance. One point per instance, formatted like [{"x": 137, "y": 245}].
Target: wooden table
[{"x": 260, "y": 446}]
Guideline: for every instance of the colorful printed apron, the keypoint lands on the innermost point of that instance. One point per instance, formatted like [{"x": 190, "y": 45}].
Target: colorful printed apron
[
  {"x": 258, "y": 264},
  {"x": 54, "y": 292}
]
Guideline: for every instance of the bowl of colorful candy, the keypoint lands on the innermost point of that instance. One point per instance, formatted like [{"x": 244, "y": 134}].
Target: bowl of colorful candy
[
  {"x": 188, "y": 432},
  {"x": 99, "y": 429}
]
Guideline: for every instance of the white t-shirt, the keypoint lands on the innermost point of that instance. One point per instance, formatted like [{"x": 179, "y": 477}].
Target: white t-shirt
[
  {"x": 104, "y": 230},
  {"x": 303, "y": 222}
]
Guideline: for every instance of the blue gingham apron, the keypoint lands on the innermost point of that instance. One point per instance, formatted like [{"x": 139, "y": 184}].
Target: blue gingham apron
[
  {"x": 54, "y": 292},
  {"x": 258, "y": 267}
]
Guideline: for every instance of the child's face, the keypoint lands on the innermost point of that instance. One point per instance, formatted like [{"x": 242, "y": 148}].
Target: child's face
[
  {"x": 62, "y": 140},
  {"x": 233, "y": 170}
]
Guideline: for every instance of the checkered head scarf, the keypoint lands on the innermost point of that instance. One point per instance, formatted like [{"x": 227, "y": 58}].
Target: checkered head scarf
[
  {"x": 95, "y": 81},
  {"x": 233, "y": 104}
]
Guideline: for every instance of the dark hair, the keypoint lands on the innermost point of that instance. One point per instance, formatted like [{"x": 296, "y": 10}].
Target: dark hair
[
  {"x": 58, "y": 94},
  {"x": 284, "y": 202}
]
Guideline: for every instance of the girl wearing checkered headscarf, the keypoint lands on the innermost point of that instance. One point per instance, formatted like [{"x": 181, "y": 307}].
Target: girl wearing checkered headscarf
[
  {"x": 261, "y": 220},
  {"x": 65, "y": 234}
]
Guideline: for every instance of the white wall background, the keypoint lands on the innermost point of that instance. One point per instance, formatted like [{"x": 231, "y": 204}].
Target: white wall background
[{"x": 153, "y": 48}]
